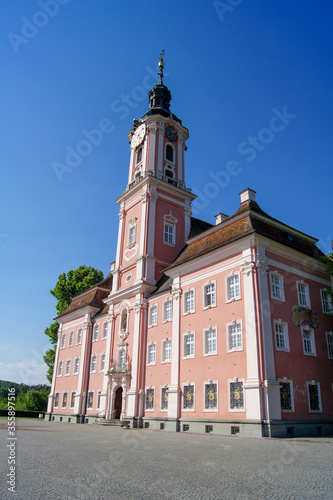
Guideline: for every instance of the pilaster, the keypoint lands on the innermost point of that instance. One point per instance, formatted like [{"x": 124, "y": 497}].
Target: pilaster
[
  {"x": 55, "y": 368},
  {"x": 174, "y": 388},
  {"x": 132, "y": 394}
]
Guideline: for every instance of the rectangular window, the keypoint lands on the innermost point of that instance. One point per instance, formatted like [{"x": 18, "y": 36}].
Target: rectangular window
[
  {"x": 308, "y": 341},
  {"x": 64, "y": 400},
  {"x": 235, "y": 337},
  {"x": 56, "y": 400},
  {"x": 236, "y": 396},
  {"x": 131, "y": 235},
  {"x": 71, "y": 339},
  {"x": 76, "y": 365},
  {"x": 168, "y": 233},
  {"x": 79, "y": 336},
  {"x": 303, "y": 294},
  {"x": 164, "y": 398},
  {"x": 150, "y": 399},
  {"x": 93, "y": 363},
  {"x": 329, "y": 338},
  {"x": 60, "y": 365},
  {"x": 189, "y": 301},
  {"x": 98, "y": 399},
  {"x": 188, "y": 397},
  {"x": 68, "y": 367},
  {"x": 209, "y": 294},
  {"x": 96, "y": 333},
  {"x": 281, "y": 336},
  {"x": 189, "y": 345},
  {"x": 153, "y": 316},
  {"x": 314, "y": 396},
  {"x": 63, "y": 341},
  {"x": 90, "y": 401},
  {"x": 210, "y": 341},
  {"x": 105, "y": 330},
  {"x": 166, "y": 351},
  {"x": 73, "y": 399},
  {"x": 233, "y": 287},
  {"x": 152, "y": 354},
  {"x": 286, "y": 396},
  {"x": 326, "y": 302},
  {"x": 103, "y": 356},
  {"x": 168, "y": 310},
  {"x": 211, "y": 396}
]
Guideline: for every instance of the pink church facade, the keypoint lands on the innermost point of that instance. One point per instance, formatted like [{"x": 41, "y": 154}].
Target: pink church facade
[{"x": 224, "y": 329}]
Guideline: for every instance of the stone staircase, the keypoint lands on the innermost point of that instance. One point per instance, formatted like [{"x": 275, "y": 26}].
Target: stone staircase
[{"x": 112, "y": 421}]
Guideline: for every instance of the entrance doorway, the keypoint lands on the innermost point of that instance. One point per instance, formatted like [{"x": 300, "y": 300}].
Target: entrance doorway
[{"x": 117, "y": 402}]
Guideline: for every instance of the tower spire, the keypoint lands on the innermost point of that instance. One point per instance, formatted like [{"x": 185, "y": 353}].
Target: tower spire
[{"x": 161, "y": 66}]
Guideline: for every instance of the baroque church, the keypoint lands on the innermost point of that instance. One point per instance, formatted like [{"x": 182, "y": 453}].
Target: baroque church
[{"x": 223, "y": 328}]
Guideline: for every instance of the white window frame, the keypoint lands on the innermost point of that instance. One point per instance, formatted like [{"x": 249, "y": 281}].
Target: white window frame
[
  {"x": 68, "y": 367},
  {"x": 150, "y": 389},
  {"x": 102, "y": 362},
  {"x": 205, "y": 334},
  {"x": 62, "y": 401},
  {"x": 63, "y": 341},
  {"x": 229, "y": 343},
  {"x": 173, "y": 154},
  {"x": 188, "y": 384},
  {"x": 153, "y": 311},
  {"x": 76, "y": 369},
  {"x": 79, "y": 336},
  {"x": 98, "y": 403},
  {"x": 329, "y": 340},
  {"x": 235, "y": 381},
  {"x": 327, "y": 300},
  {"x": 306, "y": 329},
  {"x": 273, "y": 274},
  {"x": 171, "y": 221},
  {"x": 165, "y": 303},
  {"x": 96, "y": 332},
  {"x": 93, "y": 361},
  {"x": 290, "y": 382},
  {"x": 56, "y": 397},
  {"x": 284, "y": 324},
  {"x": 60, "y": 368},
  {"x": 314, "y": 382},
  {"x": 105, "y": 330},
  {"x": 70, "y": 403},
  {"x": 307, "y": 294},
  {"x": 185, "y": 310},
  {"x": 92, "y": 404},
  {"x": 185, "y": 336},
  {"x": 164, "y": 388},
  {"x": 151, "y": 353},
  {"x": 121, "y": 358},
  {"x": 211, "y": 294},
  {"x": 71, "y": 338},
  {"x": 131, "y": 232},
  {"x": 211, "y": 410},
  {"x": 228, "y": 278},
  {"x": 164, "y": 342}
]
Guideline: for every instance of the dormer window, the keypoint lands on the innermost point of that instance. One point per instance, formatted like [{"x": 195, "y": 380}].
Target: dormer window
[{"x": 139, "y": 156}]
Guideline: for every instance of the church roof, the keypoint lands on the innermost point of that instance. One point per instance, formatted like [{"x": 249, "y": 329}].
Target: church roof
[
  {"x": 249, "y": 218},
  {"x": 92, "y": 297}
]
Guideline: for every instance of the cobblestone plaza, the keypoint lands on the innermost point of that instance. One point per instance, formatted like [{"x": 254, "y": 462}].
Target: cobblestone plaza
[{"x": 64, "y": 462}]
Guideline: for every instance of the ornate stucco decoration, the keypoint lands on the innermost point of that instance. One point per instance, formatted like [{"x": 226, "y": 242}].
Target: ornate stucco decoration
[{"x": 302, "y": 315}]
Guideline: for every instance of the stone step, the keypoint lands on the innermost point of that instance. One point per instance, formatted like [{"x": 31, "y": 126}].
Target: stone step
[{"x": 112, "y": 421}]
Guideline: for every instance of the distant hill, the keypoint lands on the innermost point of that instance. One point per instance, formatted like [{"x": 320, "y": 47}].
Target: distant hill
[{"x": 20, "y": 388}]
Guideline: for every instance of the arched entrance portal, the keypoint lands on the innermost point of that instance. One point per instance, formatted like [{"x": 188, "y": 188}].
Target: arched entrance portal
[{"x": 117, "y": 402}]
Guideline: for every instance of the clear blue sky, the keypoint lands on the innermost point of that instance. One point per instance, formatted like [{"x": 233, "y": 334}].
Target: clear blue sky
[{"x": 227, "y": 72}]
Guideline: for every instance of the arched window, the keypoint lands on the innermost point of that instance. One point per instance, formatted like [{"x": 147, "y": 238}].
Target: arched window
[
  {"x": 123, "y": 319},
  {"x": 122, "y": 357},
  {"x": 169, "y": 152},
  {"x": 139, "y": 155}
]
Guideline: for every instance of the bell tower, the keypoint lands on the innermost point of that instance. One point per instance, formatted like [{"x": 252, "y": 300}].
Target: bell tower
[{"x": 155, "y": 208}]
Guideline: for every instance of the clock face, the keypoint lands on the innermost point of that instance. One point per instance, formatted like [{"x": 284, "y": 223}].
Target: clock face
[
  {"x": 138, "y": 136},
  {"x": 171, "y": 134}
]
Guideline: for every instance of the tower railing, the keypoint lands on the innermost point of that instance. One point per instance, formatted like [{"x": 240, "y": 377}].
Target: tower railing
[{"x": 158, "y": 175}]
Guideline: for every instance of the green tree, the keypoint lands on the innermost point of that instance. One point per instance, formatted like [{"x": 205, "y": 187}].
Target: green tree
[{"x": 67, "y": 287}]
